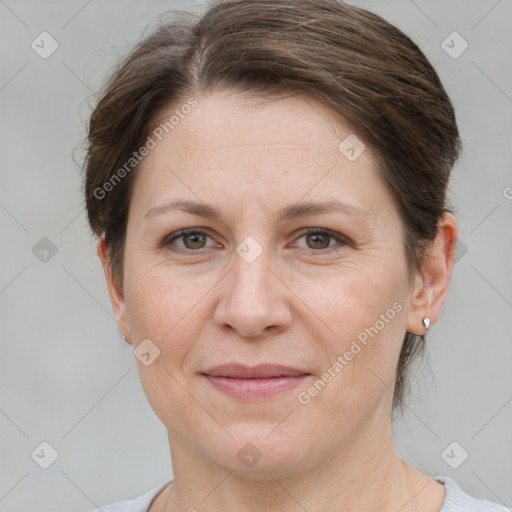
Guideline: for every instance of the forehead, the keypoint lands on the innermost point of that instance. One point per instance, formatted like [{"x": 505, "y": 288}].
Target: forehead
[
  {"x": 283, "y": 149},
  {"x": 230, "y": 122}
]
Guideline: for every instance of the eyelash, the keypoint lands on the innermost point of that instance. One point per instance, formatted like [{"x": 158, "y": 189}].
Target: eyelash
[{"x": 307, "y": 231}]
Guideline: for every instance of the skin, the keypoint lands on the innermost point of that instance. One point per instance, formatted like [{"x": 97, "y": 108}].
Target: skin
[{"x": 290, "y": 306}]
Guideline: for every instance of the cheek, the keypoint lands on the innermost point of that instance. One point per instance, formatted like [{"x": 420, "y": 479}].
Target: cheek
[
  {"x": 164, "y": 309},
  {"x": 167, "y": 307},
  {"x": 350, "y": 297},
  {"x": 363, "y": 321}
]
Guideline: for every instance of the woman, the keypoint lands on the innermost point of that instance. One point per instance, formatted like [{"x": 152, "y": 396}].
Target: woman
[{"x": 268, "y": 186}]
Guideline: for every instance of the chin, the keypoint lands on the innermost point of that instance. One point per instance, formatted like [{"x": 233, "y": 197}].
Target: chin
[{"x": 254, "y": 453}]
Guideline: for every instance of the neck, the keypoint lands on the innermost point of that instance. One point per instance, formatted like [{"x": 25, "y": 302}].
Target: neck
[{"x": 366, "y": 474}]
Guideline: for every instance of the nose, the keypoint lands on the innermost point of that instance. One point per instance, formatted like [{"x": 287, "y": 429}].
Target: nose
[{"x": 255, "y": 301}]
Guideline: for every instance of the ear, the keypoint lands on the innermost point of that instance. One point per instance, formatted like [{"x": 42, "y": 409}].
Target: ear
[
  {"x": 431, "y": 287},
  {"x": 116, "y": 294}
]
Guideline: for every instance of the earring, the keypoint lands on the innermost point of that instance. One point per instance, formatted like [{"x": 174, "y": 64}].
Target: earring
[
  {"x": 426, "y": 323},
  {"x": 122, "y": 336}
]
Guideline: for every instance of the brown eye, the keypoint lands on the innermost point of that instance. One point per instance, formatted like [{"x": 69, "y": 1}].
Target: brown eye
[
  {"x": 195, "y": 240},
  {"x": 192, "y": 240},
  {"x": 320, "y": 240}
]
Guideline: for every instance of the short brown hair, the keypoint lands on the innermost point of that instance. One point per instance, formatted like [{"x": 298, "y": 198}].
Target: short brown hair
[{"x": 351, "y": 60}]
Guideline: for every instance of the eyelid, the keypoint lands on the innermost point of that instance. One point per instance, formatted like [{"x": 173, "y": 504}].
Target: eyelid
[
  {"x": 332, "y": 234},
  {"x": 182, "y": 232}
]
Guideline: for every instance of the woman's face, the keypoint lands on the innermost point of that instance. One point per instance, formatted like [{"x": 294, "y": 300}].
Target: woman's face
[{"x": 251, "y": 288}]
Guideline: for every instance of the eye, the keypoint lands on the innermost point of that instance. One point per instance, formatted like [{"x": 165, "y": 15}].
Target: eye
[
  {"x": 193, "y": 239},
  {"x": 318, "y": 240}
]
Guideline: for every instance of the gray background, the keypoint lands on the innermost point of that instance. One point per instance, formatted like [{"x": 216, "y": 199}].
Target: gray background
[{"x": 67, "y": 378}]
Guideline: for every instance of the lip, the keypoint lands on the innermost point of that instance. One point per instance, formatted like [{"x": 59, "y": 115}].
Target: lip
[
  {"x": 261, "y": 371},
  {"x": 254, "y": 382}
]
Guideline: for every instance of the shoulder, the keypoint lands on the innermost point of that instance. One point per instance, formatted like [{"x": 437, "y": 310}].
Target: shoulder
[
  {"x": 457, "y": 500},
  {"x": 140, "y": 503}
]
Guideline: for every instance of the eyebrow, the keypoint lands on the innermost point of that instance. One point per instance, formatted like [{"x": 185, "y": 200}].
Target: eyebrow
[{"x": 304, "y": 209}]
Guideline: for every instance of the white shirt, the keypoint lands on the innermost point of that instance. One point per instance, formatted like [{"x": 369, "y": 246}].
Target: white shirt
[{"x": 456, "y": 500}]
